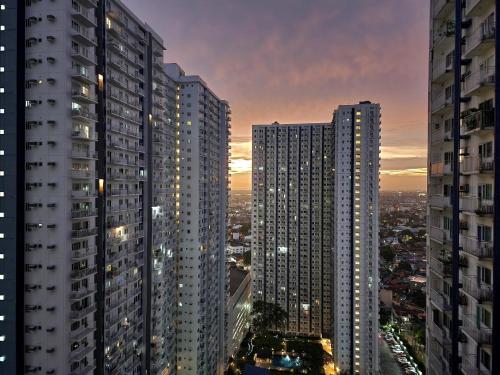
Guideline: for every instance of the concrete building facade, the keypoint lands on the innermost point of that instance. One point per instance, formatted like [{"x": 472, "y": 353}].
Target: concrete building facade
[
  {"x": 463, "y": 277},
  {"x": 292, "y": 222},
  {"x": 355, "y": 238},
  {"x": 93, "y": 196},
  {"x": 315, "y": 229}
]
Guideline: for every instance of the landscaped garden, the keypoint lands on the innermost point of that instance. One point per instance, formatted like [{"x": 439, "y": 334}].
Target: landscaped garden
[{"x": 265, "y": 347}]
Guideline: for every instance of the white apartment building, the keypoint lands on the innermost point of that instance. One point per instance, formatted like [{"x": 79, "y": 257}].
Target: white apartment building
[
  {"x": 202, "y": 183},
  {"x": 100, "y": 181},
  {"x": 292, "y": 222},
  {"x": 463, "y": 318},
  {"x": 355, "y": 238}
]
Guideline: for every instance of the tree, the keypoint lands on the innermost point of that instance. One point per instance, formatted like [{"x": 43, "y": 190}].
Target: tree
[
  {"x": 266, "y": 315},
  {"x": 387, "y": 253},
  {"x": 403, "y": 266},
  {"x": 247, "y": 258}
]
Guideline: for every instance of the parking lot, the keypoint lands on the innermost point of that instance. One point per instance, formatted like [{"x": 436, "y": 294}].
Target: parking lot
[{"x": 400, "y": 354}]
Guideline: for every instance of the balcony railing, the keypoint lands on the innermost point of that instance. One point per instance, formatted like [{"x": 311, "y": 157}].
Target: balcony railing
[
  {"x": 440, "y": 267},
  {"x": 441, "y": 7},
  {"x": 441, "y": 102},
  {"x": 475, "y": 7},
  {"x": 439, "y": 201},
  {"x": 480, "y": 292},
  {"x": 480, "y": 39},
  {"x": 482, "y": 119},
  {"x": 440, "y": 299},
  {"x": 480, "y": 249},
  {"x": 474, "y": 329},
  {"x": 477, "y": 82}
]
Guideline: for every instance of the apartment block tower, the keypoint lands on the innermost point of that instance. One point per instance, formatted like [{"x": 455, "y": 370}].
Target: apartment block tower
[
  {"x": 90, "y": 193},
  {"x": 202, "y": 121},
  {"x": 315, "y": 229},
  {"x": 292, "y": 222},
  {"x": 463, "y": 304},
  {"x": 356, "y": 238}
]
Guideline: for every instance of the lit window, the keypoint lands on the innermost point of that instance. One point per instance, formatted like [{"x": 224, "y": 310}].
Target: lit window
[{"x": 2, "y": 338}]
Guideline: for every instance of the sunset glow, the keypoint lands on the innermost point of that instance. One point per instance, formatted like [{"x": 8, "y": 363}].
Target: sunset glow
[{"x": 292, "y": 61}]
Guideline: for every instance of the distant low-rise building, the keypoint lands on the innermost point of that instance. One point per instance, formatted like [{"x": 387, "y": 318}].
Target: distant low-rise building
[{"x": 238, "y": 309}]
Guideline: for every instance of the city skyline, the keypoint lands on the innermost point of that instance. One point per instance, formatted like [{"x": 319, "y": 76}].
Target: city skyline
[{"x": 247, "y": 65}]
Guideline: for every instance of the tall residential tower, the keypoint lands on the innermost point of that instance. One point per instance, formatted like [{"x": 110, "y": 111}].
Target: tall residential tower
[
  {"x": 315, "y": 229},
  {"x": 355, "y": 238},
  {"x": 101, "y": 197},
  {"x": 463, "y": 304},
  {"x": 292, "y": 222}
]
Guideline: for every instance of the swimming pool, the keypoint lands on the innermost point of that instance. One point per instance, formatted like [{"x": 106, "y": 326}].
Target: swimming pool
[{"x": 286, "y": 361}]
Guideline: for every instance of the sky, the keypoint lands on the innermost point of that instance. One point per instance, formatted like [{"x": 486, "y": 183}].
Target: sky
[{"x": 295, "y": 61}]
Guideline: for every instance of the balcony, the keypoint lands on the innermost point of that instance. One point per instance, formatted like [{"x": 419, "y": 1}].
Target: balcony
[
  {"x": 476, "y": 8},
  {"x": 81, "y": 174},
  {"x": 88, "y": 3},
  {"x": 82, "y": 194},
  {"x": 84, "y": 37},
  {"x": 81, "y": 293},
  {"x": 82, "y": 75},
  {"x": 83, "y": 96},
  {"x": 470, "y": 165},
  {"x": 481, "y": 40},
  {"x": 442, "y": 8},
  {"x": 82, "y": 313},
  {"x": 83, "y": 253},
  {"x": 440, "y": 300},
  {"x": 444, "y": 269},
  {"x": 439, "y": 201},
  {"x": 443, "y": 36},
  {"x": 442, "y": 103},
  {"x": 477, "y": 206},
  {"x": 84, "y": 16},
  {"x": 479, "y": 249},
  {"x": 479, "y": 120},
  {"x": 82, "y": 214},
  {"x": 475, "y": 164},
  {"x": 476, "y": 331},
  {"x": 436, "y": 169},
  {"x": 83, "y": 135},
  {"x": 479, "y": 83},
  {"x": 442, "y": 69},
  {"x": 83, "y": 114},
  {"x": 83, "y": 233},
  {"x": 83, "y": 55},
  {"x": 480, "y": 292},
  {"x": 83, "y": 154}
]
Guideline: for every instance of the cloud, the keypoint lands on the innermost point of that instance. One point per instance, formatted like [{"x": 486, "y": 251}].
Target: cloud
[{"x": 296, "y": 61}]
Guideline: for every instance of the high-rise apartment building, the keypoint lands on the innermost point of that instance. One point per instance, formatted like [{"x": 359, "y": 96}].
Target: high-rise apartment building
[
  {"x": 315, "y": 229},
  {"x": 292, "y": 222},
  {"x": 202, "y": 121},
  {"x": 355, "y": 238},
  {"x": 463, "y": 304},
  {"x": 94, "y": 168}
]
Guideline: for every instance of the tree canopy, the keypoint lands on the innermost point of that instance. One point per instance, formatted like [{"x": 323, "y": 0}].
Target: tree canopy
[{"x": 267, "y": 316}]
